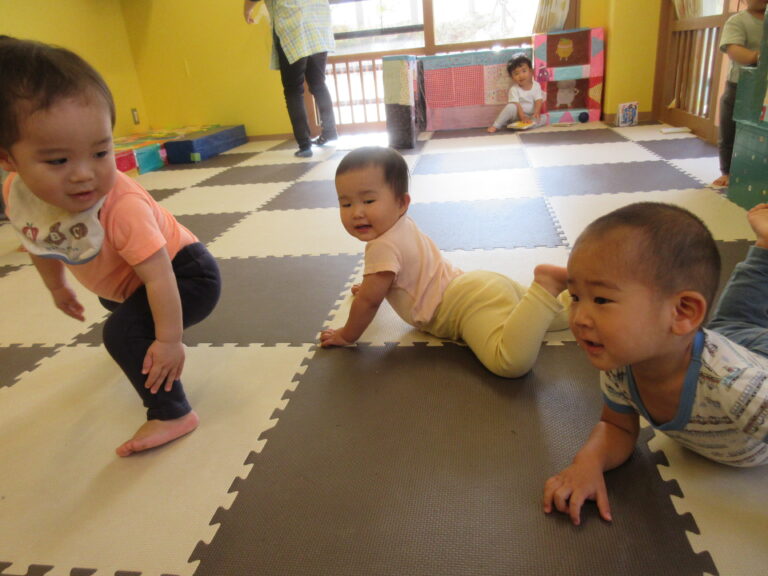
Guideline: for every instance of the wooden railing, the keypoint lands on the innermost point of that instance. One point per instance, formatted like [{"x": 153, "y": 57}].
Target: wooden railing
[
  {"x": 690, "y": 78},
  {"x": 357, "y": 90}
]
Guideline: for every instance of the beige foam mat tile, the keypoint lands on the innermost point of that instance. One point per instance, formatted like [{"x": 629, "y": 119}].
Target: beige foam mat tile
[
  {"x": 30, "y": 317},
  {"x": 10, "y": 255},
  {"x": 221, "y": 199},
  {"x": 165, "y": 179},
  {"x": 726, "y": 220},
  {"x": 651, "y": 132},
  {"x": 286, "y": 156},
  {"x": 351, "y": 141},
  {"x": 705, "y": 170},
  {"x": 439, "y": 145},
  {"x": 388, "y": 327},
  {"x": 728, "y": 505},
  {"x": 254, "y": 146},
  {"x": 60, "y": 425},
  {"x": 585, "y": 154},
  {"x": 286, "y": 233},
  {"x": 468, "y": 186}
]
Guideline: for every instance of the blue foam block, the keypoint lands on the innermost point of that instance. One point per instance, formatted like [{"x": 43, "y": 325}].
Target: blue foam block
[{"x": 205, "y": 144}]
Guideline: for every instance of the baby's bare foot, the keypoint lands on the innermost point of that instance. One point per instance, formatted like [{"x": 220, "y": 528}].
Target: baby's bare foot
[
  {"x": 154, "y": 433},
  {"x": 721, "y": 182},
  {"x": 491, "y": 129},
  {"x": 552, "y": 278},
  {"x": 758, "y": 220}
]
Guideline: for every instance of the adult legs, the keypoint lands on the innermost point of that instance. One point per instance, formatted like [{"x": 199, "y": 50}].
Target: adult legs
[
  {"x": 315, "y": 74},
  {"x": 292, "y": 77},
  {"x": 727, "y": 132},
  {"x": 742, "y": 313},
  {"x": 130, "y": 330}
]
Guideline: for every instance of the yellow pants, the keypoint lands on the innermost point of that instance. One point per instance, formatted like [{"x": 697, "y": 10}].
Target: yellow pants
[{"x": 501, "y": 321}]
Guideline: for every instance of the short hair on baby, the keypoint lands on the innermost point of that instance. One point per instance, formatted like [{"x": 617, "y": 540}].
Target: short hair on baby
[
  {"x": 391, "y": 161},
  {"x": 518, "y": 60},
  {"x": 675, "y": 250},
  {"x": 39, "y": 75}
]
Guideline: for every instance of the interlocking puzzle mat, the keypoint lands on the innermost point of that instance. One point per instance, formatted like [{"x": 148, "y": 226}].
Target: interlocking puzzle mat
[{"x": 400, "y": 455}]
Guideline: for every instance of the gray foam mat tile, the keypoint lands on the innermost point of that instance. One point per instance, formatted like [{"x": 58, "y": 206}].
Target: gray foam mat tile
[
  {"x": 469, "y": 160},
  {"x": 260, "y": 174},
  {"x": 5, "y": 270},
  {"x": 162, "y": 194},
  {"x": 465, "y": 133},
  {"x": 305, "y": 194},
  {"x": 15, "y": 360},
  {"x": 208, "y": 226},
  {"x": 418, "y": 461},
  {"x": 566, "y": 137},
  {"x": 487, "y": 224},
  {"x": 612, "y": 178},
  {"x": 255, "y": 306},
  {"x": 681, "y": 148}
]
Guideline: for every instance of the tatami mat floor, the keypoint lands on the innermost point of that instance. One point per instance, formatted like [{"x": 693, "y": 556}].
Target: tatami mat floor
[{"x": 400, "y": 456}]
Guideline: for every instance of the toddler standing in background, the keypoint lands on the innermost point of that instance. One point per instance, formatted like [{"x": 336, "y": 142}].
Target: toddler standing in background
[
  {"x": 525, "y": 95},
  {"x": 501, "y": 321},
  {"x": 740, "y": 40},
  {"x": 73, "y": 210}
]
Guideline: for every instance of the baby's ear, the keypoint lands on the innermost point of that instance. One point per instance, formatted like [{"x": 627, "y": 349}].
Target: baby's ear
[
  {"x": 690, "y": 311},
  {"x": 405, "y": 201}
]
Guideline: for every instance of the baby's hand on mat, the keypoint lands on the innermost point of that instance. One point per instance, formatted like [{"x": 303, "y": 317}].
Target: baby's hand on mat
[
  {"x": 332, "y": 337},
  {"x": 163, "y": 364},
  {"x": 569, "y": 490}
]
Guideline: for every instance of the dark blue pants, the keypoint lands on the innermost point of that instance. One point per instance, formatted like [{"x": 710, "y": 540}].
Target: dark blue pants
[
  {"x": 727, "y": 133},
  {"x": 130, "y": 329},
  {"x": 312, "y": 69}
]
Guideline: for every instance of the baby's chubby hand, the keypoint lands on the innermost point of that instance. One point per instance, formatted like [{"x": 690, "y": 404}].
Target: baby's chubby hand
[
  {"x": 567, "y": 491},
  {"x": 332, "y": 337}
]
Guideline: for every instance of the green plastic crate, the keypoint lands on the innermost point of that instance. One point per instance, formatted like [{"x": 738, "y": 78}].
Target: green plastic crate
[{"x": 749, "y": 167}]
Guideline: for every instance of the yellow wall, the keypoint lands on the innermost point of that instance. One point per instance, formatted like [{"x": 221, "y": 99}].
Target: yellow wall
[
  {"x": 199, "y": 62},
  {"x": 631, "y": 30},
  {"x": 95, "y": 29},
  {"x": 181, "y": 62}
]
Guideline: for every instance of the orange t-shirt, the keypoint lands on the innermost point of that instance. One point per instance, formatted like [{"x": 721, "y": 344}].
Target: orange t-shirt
[{"x": 135, "y": 227}]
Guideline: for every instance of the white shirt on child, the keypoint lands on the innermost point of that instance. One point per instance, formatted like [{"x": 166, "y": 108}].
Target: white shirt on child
[
  {"x": 526, "y": 98},
  {"x": 421, "y": 272},
  {"x": 723, "y": 410}
]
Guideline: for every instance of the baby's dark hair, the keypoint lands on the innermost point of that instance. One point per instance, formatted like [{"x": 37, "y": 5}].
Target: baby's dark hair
[
  {"x": 39, "y": 75},
  {"x": 518, "y": 60},
  {"x": 391, "y": 161},
  {"x": 675, "y": 250}
]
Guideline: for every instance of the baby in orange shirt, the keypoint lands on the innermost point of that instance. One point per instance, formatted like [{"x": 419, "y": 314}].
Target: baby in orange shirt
[{"x": 72, "y": 209}]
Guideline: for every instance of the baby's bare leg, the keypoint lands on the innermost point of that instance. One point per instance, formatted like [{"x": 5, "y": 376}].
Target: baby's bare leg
[{"x": 154, "y": 433}]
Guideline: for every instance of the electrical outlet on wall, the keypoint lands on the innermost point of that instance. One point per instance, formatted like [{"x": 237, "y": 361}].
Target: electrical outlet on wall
[{"x": 135, "y": 114}]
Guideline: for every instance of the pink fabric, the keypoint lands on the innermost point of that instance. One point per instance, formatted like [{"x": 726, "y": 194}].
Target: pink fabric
[{"x": 421, "y": 272}]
